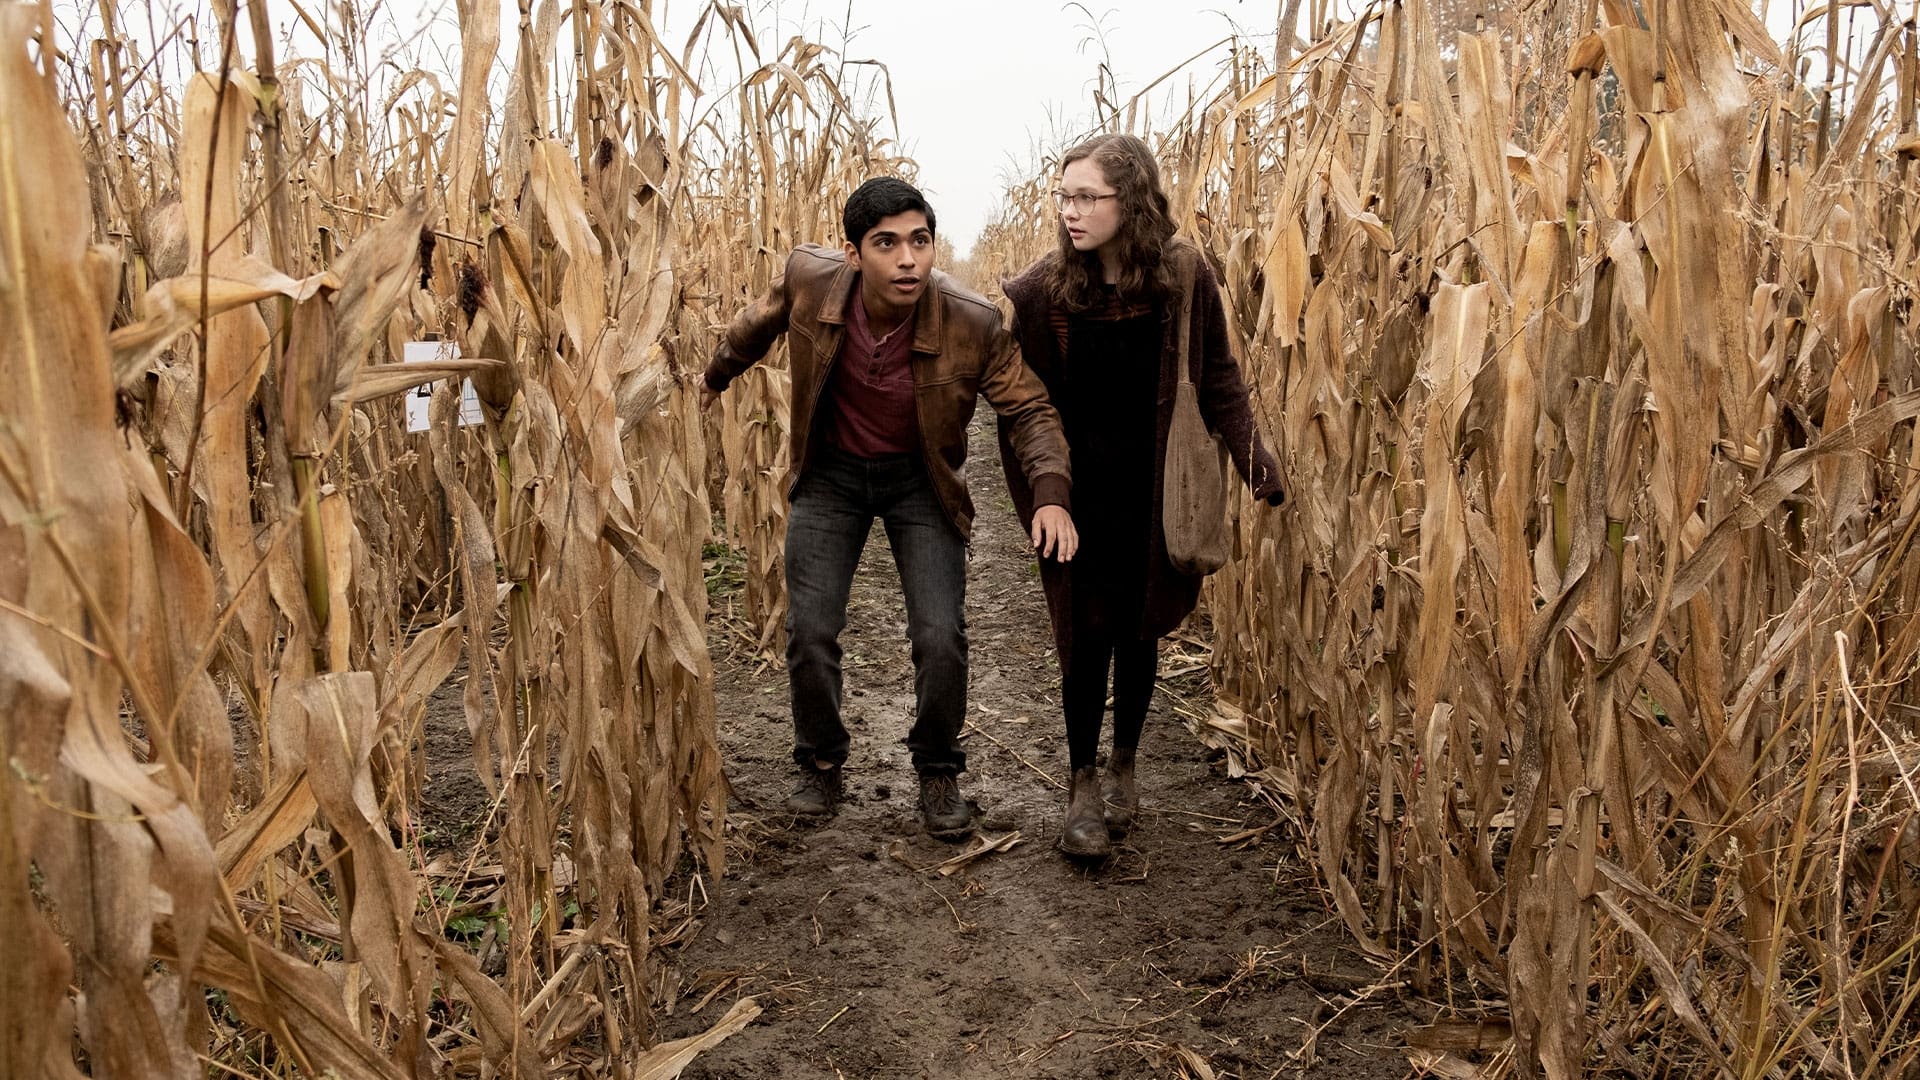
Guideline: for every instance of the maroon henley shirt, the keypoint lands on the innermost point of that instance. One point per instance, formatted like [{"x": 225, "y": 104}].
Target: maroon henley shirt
[{"x": 871, "y": 389}]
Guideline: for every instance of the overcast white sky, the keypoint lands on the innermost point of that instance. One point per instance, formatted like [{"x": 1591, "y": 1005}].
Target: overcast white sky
[{"x": 982, "y": 85}]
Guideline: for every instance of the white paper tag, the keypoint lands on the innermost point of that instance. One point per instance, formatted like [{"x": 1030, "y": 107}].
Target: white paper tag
[{"x": 420, "y": 398}]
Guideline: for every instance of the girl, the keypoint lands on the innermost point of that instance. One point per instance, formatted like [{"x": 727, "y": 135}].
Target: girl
[{"x": 1096, "y": 321}]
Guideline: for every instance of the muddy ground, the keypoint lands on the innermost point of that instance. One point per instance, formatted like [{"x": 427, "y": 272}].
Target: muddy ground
[{"x": 1182, "y": 954}]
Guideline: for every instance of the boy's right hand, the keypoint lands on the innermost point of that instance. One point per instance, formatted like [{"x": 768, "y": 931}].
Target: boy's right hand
[{"x": 1054, "y": 535}]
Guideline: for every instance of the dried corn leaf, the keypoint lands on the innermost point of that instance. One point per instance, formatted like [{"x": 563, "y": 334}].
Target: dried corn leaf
[{"x": 665, "y": 1062}]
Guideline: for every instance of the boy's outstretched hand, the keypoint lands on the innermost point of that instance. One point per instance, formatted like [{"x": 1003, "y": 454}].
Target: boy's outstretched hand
[{"x": 1054, "y": 536}]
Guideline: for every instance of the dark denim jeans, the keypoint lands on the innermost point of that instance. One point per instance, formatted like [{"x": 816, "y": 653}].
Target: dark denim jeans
[{"x": 834, "y": 505}]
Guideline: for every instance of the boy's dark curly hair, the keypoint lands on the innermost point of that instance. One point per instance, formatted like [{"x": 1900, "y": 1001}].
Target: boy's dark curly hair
[{"x": 881, "y": 197}]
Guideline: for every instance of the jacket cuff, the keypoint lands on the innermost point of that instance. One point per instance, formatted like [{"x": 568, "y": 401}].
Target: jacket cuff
[
  {"x": 1052, "y": 489},
  {"x": 720, "y": 369}
]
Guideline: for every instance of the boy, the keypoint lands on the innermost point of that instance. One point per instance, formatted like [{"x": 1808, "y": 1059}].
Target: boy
[{"x": 889, "y": 357}]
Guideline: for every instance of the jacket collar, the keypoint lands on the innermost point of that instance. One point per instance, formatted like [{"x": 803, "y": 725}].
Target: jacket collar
[
  {"x": 929, "y": 323},
  {"x": 833, "y": 310},
  {"x": 929, "y": 315}
]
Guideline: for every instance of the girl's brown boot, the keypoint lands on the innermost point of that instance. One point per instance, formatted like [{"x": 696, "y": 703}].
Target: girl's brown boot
[
  {"x": 1085, "y": 834},
  {"x": 1122, "y": 798}
]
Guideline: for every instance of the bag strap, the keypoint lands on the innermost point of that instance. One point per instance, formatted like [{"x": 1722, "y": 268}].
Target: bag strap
[{"x": 1187, "y": 257}]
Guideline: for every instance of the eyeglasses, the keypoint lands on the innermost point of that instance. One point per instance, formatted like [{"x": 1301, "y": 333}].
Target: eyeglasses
[{"x": 1083, "y": 201}]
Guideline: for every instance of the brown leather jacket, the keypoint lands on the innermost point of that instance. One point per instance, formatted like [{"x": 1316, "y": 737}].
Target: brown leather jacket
[{"x": 960, "y": 352}]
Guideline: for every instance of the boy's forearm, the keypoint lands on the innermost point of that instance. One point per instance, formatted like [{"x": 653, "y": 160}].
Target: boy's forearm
[
  {"x": 1039, "y": 440},
  {"x": 750, "y": 335}
]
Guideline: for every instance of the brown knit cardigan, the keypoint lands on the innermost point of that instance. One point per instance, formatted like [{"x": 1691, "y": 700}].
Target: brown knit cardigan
[{"x": 1224, "y": 405}]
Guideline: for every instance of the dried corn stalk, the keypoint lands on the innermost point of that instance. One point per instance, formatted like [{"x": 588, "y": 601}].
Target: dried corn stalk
[{"x": 261, "y": 526}]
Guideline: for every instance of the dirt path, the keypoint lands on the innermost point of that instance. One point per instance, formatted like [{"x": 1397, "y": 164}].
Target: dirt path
[{"x": 1181, "y": 954}]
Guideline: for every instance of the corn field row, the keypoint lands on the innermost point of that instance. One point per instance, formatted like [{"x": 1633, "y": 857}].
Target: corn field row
[{"x": 1581, "y": 655}]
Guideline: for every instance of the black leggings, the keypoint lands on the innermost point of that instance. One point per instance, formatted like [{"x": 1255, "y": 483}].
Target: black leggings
[{"x": 1083, "y": 691}]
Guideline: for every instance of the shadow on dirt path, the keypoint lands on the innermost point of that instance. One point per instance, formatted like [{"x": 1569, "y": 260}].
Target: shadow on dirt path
[{"x": 1181, "y": 955}]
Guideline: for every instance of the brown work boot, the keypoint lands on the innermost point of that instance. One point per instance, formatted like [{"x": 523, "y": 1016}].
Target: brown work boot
[
  {"x": 818, "y": 794},
  {"x": 1084, "y": 836},
  {"x": 1122, "y": 798},
  {"x": 945, "y": 812}
]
